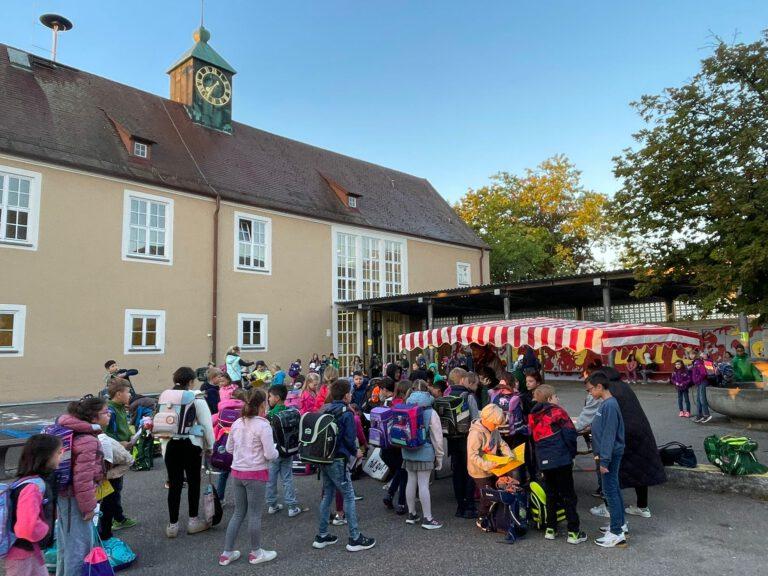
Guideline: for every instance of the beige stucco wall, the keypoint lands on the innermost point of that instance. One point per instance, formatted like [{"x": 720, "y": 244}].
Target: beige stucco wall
[{"x": 432, "y": 266}]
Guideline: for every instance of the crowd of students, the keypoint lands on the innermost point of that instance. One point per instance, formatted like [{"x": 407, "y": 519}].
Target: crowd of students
[{"x": 506, "y": 410}]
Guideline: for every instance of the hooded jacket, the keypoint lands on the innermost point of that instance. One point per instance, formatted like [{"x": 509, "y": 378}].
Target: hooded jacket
[
  {"x": 744, "y": 370},
  {"x": 554, "y": 435},
  {"x": 698, "y": 372},
  {"x": 432, "y": 450},
  {"x": 681, "y": 379},
  {"x": 482, "y": 441},
  {"x": 87, "y": 462}
]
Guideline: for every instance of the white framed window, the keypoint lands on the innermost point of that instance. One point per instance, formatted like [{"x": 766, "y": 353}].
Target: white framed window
[
  {"x": 347, "y": 341},
  {"x": 13, "y": 318},
  {"x": 368, "y": 265},
  {"x": 253, "y": 243},
  {"x": 252, "y": 331},
  {"x": 19, "y": 207},
  {"x": 352, "y": 201},
  {"x": 140, "y": 149},
  {"x": 147, "y": 228},
  {"x": 144, "y": 331},
  {"x": 463, "y": 275}
]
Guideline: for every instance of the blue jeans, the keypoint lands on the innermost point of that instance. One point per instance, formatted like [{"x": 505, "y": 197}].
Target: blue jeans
[
  {"x": 702, "y": 406},
  {"x": 282, "y": 468},
  {"x": 613, "y": 496},
  {"x": 221, "y": 484},
  {"x": 336, "y": 477},
  {"x": 74, "y": 538},
  {"x": 683, "y": 396}
]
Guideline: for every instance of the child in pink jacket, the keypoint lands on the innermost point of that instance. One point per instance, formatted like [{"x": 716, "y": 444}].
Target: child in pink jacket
[
  {"x": 309, "y": 393},
  {"x": 252, "y": 446}
]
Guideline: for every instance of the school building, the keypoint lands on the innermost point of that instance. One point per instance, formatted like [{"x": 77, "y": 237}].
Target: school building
[{"x": 159, "y": 231}]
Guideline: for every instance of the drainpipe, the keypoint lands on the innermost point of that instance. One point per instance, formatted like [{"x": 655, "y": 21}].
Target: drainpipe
[
  {"x": 215, "y": 279},
  {"x": 482, "y": 258}
]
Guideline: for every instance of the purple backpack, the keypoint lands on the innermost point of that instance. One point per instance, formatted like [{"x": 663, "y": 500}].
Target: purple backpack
[
  {"x": 64, "y": 472},
  {"x": 378, "y": 435}
]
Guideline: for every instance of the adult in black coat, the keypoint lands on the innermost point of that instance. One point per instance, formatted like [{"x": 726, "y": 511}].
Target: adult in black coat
[{"x": 641, "y": 465}]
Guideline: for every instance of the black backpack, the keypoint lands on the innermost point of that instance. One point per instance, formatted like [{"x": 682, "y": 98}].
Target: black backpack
[
  {"x": 673, "y": 453},
  {"x": 285, "y": 426},
  {"x": 318, "y": 436},
  {"x": 454, "y": 415}
]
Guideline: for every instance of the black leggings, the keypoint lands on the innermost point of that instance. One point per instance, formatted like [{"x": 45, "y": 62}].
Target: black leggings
[
  {"x": 182, "y": 458},
  {"x": 558, "y": 483},
  {"x": 642, "y": 496},
  {"x": 463, "y": 483}
]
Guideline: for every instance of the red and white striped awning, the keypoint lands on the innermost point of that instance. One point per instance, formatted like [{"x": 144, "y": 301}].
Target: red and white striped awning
[{"x": 554, "y": 333}]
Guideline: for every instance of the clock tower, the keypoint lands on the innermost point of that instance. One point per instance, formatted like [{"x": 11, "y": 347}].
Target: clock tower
[{"x": 202, "y": 81}]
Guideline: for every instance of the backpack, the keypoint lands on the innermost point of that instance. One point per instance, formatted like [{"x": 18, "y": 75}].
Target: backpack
[
  {"x": 227, "y": 417},
  {"x": 407, "y": 428},
  {"x": 454, "y": 415},
  {"x": 318, "y": 436},
  {"x": 508, "y": 513},
  {"x": 293, "y": 400},
  {"x": 285, "y": 426},
  {"x": 734, "y": 455},
  {"x": 378, "y": 435},
  {"x": 220, "y": 458},
  {"x": 673, "y": 453},
  {"x": 294, "y": 369},
  {"x": 7, "y": 510},
  {"x": 538, "y": 507},
  {"x": 63, "y": 473},
  {"x": 176, "y": 414}
]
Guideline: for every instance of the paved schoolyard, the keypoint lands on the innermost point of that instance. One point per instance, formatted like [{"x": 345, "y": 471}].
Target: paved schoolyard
[{"x": 690, "y": 532}]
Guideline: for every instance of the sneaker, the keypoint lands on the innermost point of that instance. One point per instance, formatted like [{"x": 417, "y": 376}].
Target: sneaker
[
  {"x": 339, "y": 520},
  {"x": 172, "y": 530},
  {"x": 682, "y": 414},
  {"x": 549, "y": 534},
  {"x": 361, "y": 543},
  {"x": 294, "y": 511},
  {"x": 611, "y": 540},
  {"x": 227, "y": 559},
  {"x": 483, "y": 524},
  {"x": 698, "y": 419},
  {"x": 431, "y": 524},
  {"x": 388, "y": 502},
  {"x": 196, "y": 525},
  {"x": 126, "y": 523},
  {"x": 624, "y": 528},
  {"x": 687, "y": 414},
  {"x": 275, "y": 509},
  {"x": 400, "y": 510},
  {"x": 635, "y": 511},
  {"x": 598, "y": 493},
  {"x": 358, "y": 498},
  {"x": 260, "y": 556},
  {"x": 601, "y": 511},
  {"x": 321, "y": 542},
  {"x": 576, "y": 537},
  {"x": 413, "y": 519},
  {"x": 706, "y": 419}
]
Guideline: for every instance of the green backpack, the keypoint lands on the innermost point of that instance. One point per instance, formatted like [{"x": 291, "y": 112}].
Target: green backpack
[
  {"x": 734, "y": 455},
  {"x": 538, "y": 507}
]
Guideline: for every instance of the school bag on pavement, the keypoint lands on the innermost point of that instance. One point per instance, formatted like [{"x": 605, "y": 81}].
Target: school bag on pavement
[
  {"x": 407, "y": 429},
  {"x": 175, "y": 414},
  {"x": 318, "y": 435},
  {"x": 7, "y": 505},
  {"x": 734, "y": 455},
  {"x": 378, "y": 434},
  {"x": 508, "y": 513},
  {"x": 119, "y": 553},
  {"x": 454, "y": 415},
  {"x": 63, "y": 473},
  {"x": 673, "y": 453},
  {"x": 285, "y": 427},
  {"x": 538, "y": 507}
]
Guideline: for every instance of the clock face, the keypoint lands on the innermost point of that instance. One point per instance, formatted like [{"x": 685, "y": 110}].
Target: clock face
[{"x": 213, "y": 85}]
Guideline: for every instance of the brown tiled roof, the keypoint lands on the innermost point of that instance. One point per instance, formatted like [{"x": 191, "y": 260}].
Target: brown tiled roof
[{"x": 60, "y": 115}]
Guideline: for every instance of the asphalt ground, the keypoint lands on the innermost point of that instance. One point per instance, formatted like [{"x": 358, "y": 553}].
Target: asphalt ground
[{"x": 691, "y": 532}]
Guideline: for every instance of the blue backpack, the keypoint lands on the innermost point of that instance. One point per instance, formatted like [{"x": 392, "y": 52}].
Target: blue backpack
[{"x": 7, "y": 536}]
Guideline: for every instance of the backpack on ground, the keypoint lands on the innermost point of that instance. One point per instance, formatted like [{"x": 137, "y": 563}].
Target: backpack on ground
[
  {"x": 285, "y": 427},
  {"x": 7, "y": 506},
  {"x": 454, "y": 415},
  {"x": 378, "y": 434},
  {"x": 538, "y": 507},
  {"x": 407, "y": 429},
  {"x": 63, "y": 473},
  {"x": 678, "y": 453},
  {"x": 176, "y": 414},
  {"x": 318, "y": 436},
  {"x": 734, "y": 455},
  {"x": 508, "y": 513}
]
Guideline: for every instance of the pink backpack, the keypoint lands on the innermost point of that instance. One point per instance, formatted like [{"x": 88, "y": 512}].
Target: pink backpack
[{"x": 407, "y": 429}]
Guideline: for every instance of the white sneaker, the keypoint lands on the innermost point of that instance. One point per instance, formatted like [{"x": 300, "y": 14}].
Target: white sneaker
[
  {"x": 294, "y": 511},
  {"x": 635, "y": 511},
  {"x": 227, "y": 559},
  {"x": 260, "y": 556},
  {"x": 172, "y": 530},
  {"x": 196, "y": 525},
  {"x": 339, "y": 520},
  {"x": 601, "y": 511},
  {"x": 624, "y": 528},
  {"x": 275, "y": 509},
  {"x": 611, "y": 540}
]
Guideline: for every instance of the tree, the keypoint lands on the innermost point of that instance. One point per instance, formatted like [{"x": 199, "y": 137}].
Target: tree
[
  {"x": 692, "y": 207},
  {"x": 538, "y": 224}
]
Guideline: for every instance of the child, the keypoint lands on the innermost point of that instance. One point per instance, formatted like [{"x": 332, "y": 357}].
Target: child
[
  {"x": 359, "y": 389},
  {"x": 699, "y": 380},
  {"x": 309, "y": 393},
  {"x": 463, "y": 484},
  {"x": 118, "y": 461},
  {"x": 437, "y": 387},
  {"x": 681, "y": 378},
  {"x": 32, "y": 505},
  {"x": 336, "y": 476},
  {"x": 484, "y": 438},
  {"x": 278, "y": 374},
  {"x": 211, "y": 389},
  {"x": 262, "y": 373},
  {"x": 420, "y": 462},
  {"x": 725, "y": 370},
  {"x": 119, "y": 397},
  {"x": 393, "y": 458},
  {"x": 235, "y": 365},
  {"x": 237, "y": 401},
  {"x": 282, "y": 466},
  {"x": 226, "y": 387},
  {"x": 554, "y": 435},
  {"x": 252, "y": 447},
  {"x": 330, "y": 375},
  {"x": 608, "y": 447}
]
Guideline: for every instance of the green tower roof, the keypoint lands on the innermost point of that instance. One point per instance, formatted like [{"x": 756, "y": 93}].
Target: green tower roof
[{"x": 202, "y": 51}]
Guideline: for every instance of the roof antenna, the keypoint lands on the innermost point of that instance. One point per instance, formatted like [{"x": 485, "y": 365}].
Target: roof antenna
[
  {"x": 202, "y": 12},
  {"x": 57, "y": 24}
]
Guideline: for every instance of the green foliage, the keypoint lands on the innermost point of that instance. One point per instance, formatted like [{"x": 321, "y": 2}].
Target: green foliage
[
  {"x": 693, "y": 203},
  {"x": 538, "y": 224}
]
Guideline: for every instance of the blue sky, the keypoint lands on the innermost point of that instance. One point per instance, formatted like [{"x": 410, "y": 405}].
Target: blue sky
[{"x": 447, "y": 90}]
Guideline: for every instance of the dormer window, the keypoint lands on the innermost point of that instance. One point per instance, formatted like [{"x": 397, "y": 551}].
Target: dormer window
[
  {"x": 352, "y": 202},
  {"x": 349, "y": 199},
  {"x": 140, "y": 149}
]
